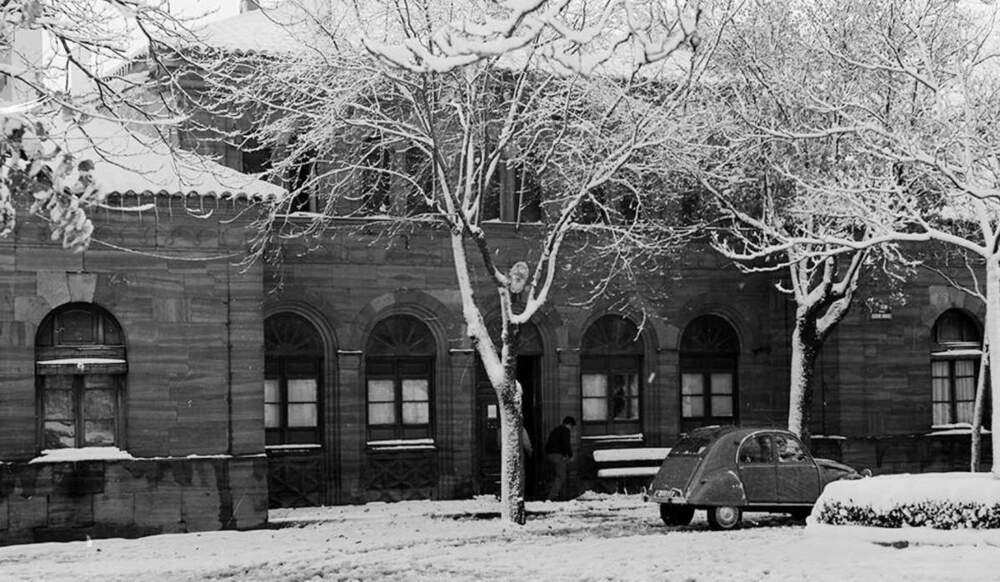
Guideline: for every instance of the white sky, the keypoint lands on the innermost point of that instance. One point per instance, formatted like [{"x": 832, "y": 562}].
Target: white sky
[{"x": 212, "y": 9}]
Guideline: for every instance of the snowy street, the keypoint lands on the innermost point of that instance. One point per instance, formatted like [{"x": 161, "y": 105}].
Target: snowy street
[{"x": 595, "y": 537}]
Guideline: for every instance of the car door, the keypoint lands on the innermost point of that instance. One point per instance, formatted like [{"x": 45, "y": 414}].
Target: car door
[
  {"x": 797, "y": 475},
  {"x": 757, "y": 469}
]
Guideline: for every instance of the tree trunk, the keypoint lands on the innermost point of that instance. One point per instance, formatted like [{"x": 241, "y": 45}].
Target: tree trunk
[
  {"x": 511, "y": 459},
  {"x": 992, "y": 337},
  {"x": 976, "y": 444},
  {"x": 805, "y": 348}
]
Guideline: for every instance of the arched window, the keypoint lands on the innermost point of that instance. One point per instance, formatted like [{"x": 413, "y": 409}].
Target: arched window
[
  {"x": 293, "y": 380},
  {"x": 611, "y": 377},
  {"x": 954, "y": 368},
  {"x": 80, "y": 370},
  {"x": 708, "y": 356},
  {"x": 399, "y": 372}
]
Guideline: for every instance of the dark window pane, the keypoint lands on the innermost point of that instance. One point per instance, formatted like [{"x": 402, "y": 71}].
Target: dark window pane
[
  {"x": 99, "y": 433},
  {"x": 76, "y": 326},
  {"x": 99, "y": 381},
  {"x": 59, "y": 434},
  {"x": 99, "y": 405},
  {"x": 112, "y": 333},
  {"x": 58, "y": 405}
]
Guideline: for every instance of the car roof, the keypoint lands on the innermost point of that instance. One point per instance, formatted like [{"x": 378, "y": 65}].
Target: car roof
[{"x": 716, "y": 431}]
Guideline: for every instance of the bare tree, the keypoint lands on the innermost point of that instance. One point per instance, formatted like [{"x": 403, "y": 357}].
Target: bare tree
[
  {"x": 561, "y": 115},
  {"x": 908, "y": 94}
]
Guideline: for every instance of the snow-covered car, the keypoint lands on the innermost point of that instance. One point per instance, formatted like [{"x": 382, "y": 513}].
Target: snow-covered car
[{"x": 727, "y": 470}]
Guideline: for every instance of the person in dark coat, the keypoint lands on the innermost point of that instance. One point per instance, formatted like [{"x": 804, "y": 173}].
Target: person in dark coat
[{"x": 558, "y": 452}]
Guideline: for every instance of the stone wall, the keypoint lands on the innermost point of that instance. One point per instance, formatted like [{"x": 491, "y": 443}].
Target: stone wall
[{"x": 73, "y": 501}]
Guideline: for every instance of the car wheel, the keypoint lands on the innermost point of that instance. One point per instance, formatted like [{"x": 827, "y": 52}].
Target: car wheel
[
  {"x": 724, "y": 517},
  {"x": 676, "y": 514}
]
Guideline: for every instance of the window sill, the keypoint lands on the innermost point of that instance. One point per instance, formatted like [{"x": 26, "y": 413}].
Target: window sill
[
  {"x": 82, "y": 454},
  {"x": 402, "y": 445},
  {"x": 955, "y": 430},
  {"x": 293, "y": 447},
  {"x": 615, "y": 438}
]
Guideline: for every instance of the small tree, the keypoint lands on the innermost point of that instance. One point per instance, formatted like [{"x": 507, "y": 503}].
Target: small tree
[
  {"x": 422, "y": 112},
  {"x": 908, "y": 94}
]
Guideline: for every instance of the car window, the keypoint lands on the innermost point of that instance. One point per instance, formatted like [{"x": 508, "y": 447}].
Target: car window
[
  {"x": 756, "y": 449},
  {"x": 691, "y": 445},
  {"x": 789, "y": 450}
]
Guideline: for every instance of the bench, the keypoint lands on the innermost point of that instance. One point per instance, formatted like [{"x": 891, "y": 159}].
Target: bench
[{"x": 626, "y": 466}]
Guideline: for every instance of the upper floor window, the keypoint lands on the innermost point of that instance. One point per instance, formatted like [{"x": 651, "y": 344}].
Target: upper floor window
[
  {"x": 293, "y": 380},
  {"x": 611, "y": 377},
  {"x": 399, "y": 377},
  {"x": 513, "y": 195},
  {"x": 80, "y": 372},
  {"x": 709, "y": 353},
  {"x": 955, "y": 368}
]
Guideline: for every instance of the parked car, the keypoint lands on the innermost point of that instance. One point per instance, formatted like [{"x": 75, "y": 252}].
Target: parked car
[{"x": 727, "y": 470}]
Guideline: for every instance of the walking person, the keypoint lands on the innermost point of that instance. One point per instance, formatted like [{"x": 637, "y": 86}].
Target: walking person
[{"x": 558, "y": 452}]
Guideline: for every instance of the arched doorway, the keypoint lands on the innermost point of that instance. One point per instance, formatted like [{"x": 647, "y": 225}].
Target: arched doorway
[
  {"x": 293, "y": 411},
  {"x": 81, "y": 370},
  {"x": 709, "y": 354},
  {"x": 529, "y": 373}
]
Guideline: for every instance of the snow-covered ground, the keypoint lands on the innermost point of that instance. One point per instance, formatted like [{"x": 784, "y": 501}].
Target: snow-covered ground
[{"x": 595, "y": 537}]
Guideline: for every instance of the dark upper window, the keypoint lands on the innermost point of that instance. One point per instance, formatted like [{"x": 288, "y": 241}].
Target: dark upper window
[
  {"x": 80, "y": 372},
  {"x": 709, "y": 353},
  {"x": 513, "y": 195},
  {"x": 604, "y": 205},
  {"x": 375, "y": 178},
  {"x": 399, "y": 379},
  {"x": 293, "y": 380},
  {"x": 955, "y": 369},
  {"x": 611, "y": 377}
]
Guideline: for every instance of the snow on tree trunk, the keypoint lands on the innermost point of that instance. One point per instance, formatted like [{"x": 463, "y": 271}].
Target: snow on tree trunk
[
  {"x": 992, "y": 337},
  {"x": 976, "y": 443},
  {"x": 803, "y": 369},
  {"x": 511, "y": 459}
]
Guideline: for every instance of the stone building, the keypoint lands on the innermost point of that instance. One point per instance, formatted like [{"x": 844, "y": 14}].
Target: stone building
[{"x": 155, "y": 384}]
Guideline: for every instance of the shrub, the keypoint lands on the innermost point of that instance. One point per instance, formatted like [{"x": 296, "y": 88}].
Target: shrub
[{"x": 938, "y": 514}]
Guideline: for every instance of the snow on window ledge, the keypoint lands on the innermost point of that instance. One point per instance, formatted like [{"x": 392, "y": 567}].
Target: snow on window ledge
[
  {"x": 82, "y": 454},
  {"x": 958, "y": 428},
  {"x": 81, "y": 362},
  {"x": 959, "y": 353},
  {"x": 402, "y": 445},
  {"x": 293, "y": 447}
]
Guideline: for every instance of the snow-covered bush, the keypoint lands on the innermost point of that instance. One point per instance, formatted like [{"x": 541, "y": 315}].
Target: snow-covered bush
[
  {"x": 935, "y": 500},
  {"x": 34, "y": 168}
]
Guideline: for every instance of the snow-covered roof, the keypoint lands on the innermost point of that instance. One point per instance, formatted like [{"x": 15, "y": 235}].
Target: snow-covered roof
[
  {"x": 318, "y": 26},
  {"x": 131, "y": 160},
  {"x": 277, "y": 30}
]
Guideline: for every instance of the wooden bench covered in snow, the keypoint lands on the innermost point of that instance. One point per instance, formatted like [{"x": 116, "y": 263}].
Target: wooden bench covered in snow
[{"x": 629, "y": 464}]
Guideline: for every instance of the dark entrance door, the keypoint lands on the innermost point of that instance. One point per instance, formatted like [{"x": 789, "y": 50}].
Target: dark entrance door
[{"x": 488, "y": 426}]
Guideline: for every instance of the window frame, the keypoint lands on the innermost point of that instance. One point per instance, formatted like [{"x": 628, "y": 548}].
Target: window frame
[
  {"x": 276, "y": 368},
  {"x": 399, "y": 429},
  {"x": 611, "y": 346},
  {"x": 950, "y": 351},
  {"x": 78, "y": 360},
  {"x": 709, "y": 346}
]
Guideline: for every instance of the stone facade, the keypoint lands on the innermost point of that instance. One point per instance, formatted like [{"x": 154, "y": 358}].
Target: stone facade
[{"x": 190, "y": 316}]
